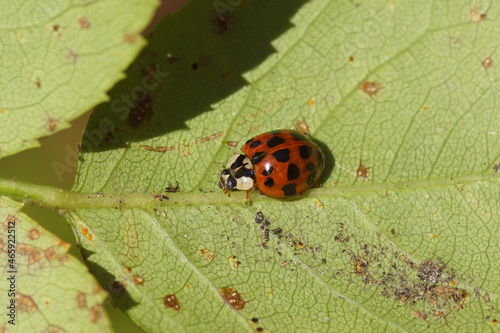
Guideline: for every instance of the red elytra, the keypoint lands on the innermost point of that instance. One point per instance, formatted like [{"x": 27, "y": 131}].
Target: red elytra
[{"x": 285, "y": 162}]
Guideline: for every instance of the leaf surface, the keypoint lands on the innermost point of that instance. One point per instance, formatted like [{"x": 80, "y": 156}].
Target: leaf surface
[
  {"x": 52, "y": 290},
  {"x": 58, "y": 61},
  {"x": 402, "y": 234}
]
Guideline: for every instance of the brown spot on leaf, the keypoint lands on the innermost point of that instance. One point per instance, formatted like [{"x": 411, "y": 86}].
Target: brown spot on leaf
[
  {"x": 477, "y": 14},
  {"x": 233, "y": 298},
  {"x": 221, "y": 23},
  {"x": 496, "y": 167},
  {"x": 141, "y": 111},
  {"x": 10, "y": 220},
  {"x": 207, "y": 254},
  {"x": 486, "y": 297},
  {"x": 81, "y": 300},
  {"x": 159, "y": 149},
  {"x": 420, "y": 315},
  {"x": 351, "y": 58},
  {"x": 25, "y": 304},
  {"x": 487, "y": 63},
  {"x": 172, "y": 189},
  {"x": 362, "y": 171},
  {"x": 84, "y": 22},
  {"x": 130, "y": 38},
  {"x": 232, "y": 143},
  {"x": 34, "y": 234},
  {"x": 447, "y": 292},
  {"x": 96, "y": 289},
  {"x": 137, "y": 279},
  {"x": 51, "y": 124},
  {"x": 301, "y": 126},
  {"x": 66, "y": 246},
  {"x": 50, "y": 253},
  {"x": 95, "y": 313},
  {"x": 360, "y": 265},
  {"x": 371, "y": 88},
  {"x": 171, "y": 301},
  {"x": 34, "y": 254}
]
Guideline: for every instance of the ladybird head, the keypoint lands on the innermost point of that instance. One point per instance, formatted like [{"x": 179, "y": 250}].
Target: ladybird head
[
  {"x": 226, "y": 180},
  {"x": 239, "y": 174}
]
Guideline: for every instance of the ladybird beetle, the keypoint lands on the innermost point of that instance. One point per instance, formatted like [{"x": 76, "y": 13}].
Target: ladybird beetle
[{"x": 280, "y": 164}]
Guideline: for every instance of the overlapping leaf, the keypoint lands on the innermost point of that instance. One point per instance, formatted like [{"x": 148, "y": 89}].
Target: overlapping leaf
[
  {"x": 51, "y": 290},
  {"x": 58, "y": 61}
]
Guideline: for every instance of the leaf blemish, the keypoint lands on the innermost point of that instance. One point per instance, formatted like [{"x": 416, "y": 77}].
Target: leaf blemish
[
  {"x": 141, "y": 110},
  {"x": 95, "y": 313},
  {"x": 81, "y": 300},
  {"x": 362, "y": 171},
  {"x": 477, "y": 14},
  {"x": 84, "y": 22},
  {"x": 51, "y": 124},
  {"x": 130, "y": 38},
  {"x": 371, "y": 88},
  {"x": 34, "y": 234},
  {"x": 487, "y": 63},
  {"x": 208, "y": 255},
  {"x": 221, "y": 23},
  {"x": 186, "y": 153},
  {"x": 138, "y": 280},
  {"x": 233, "y": 297},
  {"x": 171, "y": 301},
  {"x": 25, "y": 304},
  {"x": 34, "y": 255}
]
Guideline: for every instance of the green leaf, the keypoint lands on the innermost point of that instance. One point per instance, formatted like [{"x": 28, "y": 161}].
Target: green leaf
[
  {"x": 401, "y": 236},
  {"x": 52, "y": 290},
  {"x": 59, "y": 59}
]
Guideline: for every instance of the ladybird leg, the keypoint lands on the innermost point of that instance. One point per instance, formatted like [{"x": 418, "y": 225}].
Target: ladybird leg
[
  {"x": 247, "y": 197},
  {"x": 227, "y": 191}
]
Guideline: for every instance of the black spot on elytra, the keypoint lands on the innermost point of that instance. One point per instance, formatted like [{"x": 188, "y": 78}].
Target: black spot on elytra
[
  {"x": 255, "y": 144},
  {"x": 258, "y": 157},
  {"x": 310, "y": 166},
  {"x": 276, "y": 132},
  {"x": 293, "y": 172},
  {"x": 298, "y": 136},
  {"x": 269, "y": 182},
  {"x": 305, "y": 151},
  {"x": 275, "y": 141},
  {"x": 311, "y": 178},
  {"x": 267, "y": 170},
  {"x": 282, "y": 155},
  {"x": 248, "y": 141},
  {"x": 289, "y": 189},
  {"x": 238, "y": 163}
]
